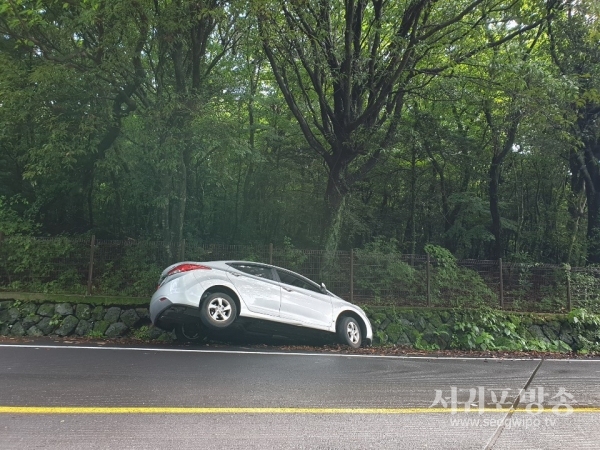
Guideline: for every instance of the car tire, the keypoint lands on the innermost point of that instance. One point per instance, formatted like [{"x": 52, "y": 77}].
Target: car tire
[
  {"x": 349, "y": 332},
  {"x": 191, "y": 332},
  {"x": 218, "y": 311}
]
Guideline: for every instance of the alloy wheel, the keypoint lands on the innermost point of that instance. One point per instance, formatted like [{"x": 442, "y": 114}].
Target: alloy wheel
[
  {"x": 219, "y": 309},
  {"x": 353, "y": 332}
]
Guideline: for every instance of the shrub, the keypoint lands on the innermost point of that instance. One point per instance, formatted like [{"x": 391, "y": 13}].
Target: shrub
[
  {"x": 454, "y": 285},
  {"x": 380, "y": 272}
]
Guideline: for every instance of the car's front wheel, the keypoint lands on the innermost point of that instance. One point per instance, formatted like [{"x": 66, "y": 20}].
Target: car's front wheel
[
  {"x": 190, "y": 332},
  {"x": 349, "y": 332},
  {"x": 218, "y": 311}
]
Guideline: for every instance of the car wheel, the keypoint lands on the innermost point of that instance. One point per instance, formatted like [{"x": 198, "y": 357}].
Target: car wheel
[
  {"x": 218, "y": 311},
  {"x": 349, "y": 332},
  {"x": 190, "y": 332}
]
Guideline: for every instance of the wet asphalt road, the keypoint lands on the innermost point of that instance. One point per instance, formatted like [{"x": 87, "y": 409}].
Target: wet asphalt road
[{"x": 302, "y": 401}]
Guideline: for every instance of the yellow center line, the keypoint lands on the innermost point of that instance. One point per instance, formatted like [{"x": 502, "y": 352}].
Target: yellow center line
[{"x": 193, "y": 410}]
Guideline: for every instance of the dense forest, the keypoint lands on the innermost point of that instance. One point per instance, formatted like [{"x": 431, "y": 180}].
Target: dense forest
[{"x": 468, "y": 124}]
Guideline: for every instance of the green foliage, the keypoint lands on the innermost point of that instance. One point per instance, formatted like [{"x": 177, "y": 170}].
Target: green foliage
[
  {"x": 587, "y": 326},
  {"x": 291, "y": 257},
  {"x": 11, "y": 222},
  {"x": 377, "y": 318},
  {"x": 472, "y": 337},
  {"x": 585, "y": 288},
  {"x": 551, "y": 296},
  {"x": 421, "y": 344},
  {"x": 489, "y": 329},
  {"x": 32, "y": 264},
  {"x": 165, "y": 337},
  {"x": 151, "y": 134},
  {"x": 544, "y": 346},
  {"x": 142, "y": 333},
  {"x": 471, "y": 225},
  {"x": 461, "y": 286},
  {"x": 133, "y": 275},
  {"x": 582, "y": 318},
  {"x": 382, "y": 273},
  {"x": 381, "y": 336},
  {"x": 477, "y": 330},
  {"x": 469, "y": 329},
  {"x": 56, "y": 320},
  {"x": 250, "y": 174}
]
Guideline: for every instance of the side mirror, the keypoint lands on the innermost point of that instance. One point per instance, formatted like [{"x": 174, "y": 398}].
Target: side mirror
[{"x": 324, "y": 288}]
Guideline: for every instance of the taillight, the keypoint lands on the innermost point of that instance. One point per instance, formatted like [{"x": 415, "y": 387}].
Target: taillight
[{"x": 186, "y": 268}]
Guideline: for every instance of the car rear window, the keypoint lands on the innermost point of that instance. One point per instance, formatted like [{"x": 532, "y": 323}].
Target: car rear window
[{"x": 257, "y": 271}]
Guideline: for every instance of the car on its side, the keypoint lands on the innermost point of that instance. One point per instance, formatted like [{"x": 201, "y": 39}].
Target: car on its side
[{"x": 197, "y": 298}]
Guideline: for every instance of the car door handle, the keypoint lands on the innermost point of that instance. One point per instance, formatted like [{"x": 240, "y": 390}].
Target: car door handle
[
  {"x": 287, "y": 289},
  {"x": 234, "y": 274}
]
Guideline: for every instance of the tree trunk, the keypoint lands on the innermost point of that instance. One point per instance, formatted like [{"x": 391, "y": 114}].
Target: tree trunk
[
  {"x": 335, "y": 196},
  {"x": 500, "y": 149},
  {"x": 335, "y": 206}
]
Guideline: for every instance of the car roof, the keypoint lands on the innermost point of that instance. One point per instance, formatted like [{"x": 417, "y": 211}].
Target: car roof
[{"x": 228, "y": 262}]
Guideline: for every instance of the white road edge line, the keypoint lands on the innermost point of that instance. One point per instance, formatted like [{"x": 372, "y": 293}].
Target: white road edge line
[{"x": 251, "y": 352}]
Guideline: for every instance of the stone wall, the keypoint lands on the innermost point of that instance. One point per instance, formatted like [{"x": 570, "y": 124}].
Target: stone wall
[
  {"x": 427, "y": 329},
  {"x": 69, "y": 319},
  {"x": 463, "y": 329}
]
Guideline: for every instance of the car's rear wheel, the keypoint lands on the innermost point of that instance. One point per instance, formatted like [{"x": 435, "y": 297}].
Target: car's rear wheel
[
  {"x": 349, "y": 332},
  {"x": 192, "y": 332},
  {"x": 218, "y": 311}
]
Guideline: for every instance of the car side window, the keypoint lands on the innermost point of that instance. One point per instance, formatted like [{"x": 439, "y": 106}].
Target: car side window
[
  {"x": 257, "y": 271},
  {"x": 293, "y": 280}
]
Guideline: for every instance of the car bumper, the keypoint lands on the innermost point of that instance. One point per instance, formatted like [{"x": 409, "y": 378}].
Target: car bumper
[{"x": 165, "y": 314}]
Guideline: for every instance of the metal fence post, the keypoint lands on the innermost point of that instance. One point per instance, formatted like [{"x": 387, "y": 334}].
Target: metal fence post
[
  {"x": 91, "y": 267},
  {"x": 271, "y": 253},
  {"x": 501, "y": 284},
  {"x": 569, "y": 298},
  {"x": 351, "y": 275},
  {"x": 428, "y": 272}
]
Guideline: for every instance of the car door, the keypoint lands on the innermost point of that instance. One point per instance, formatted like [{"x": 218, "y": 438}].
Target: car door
[
  {"x": 302, "y": 300},
  {"x": 257, "y": 286}
]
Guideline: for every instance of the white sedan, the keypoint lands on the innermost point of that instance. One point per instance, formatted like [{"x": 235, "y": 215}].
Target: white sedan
[{"x": 198, "y": 297}]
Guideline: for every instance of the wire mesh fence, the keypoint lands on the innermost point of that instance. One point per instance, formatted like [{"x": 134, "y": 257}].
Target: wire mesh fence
[{"x": 131, "y": 268}]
